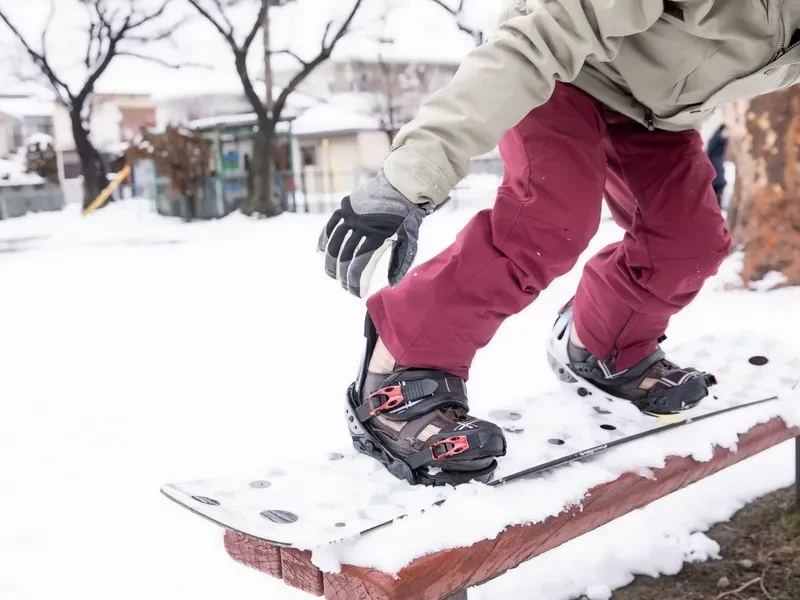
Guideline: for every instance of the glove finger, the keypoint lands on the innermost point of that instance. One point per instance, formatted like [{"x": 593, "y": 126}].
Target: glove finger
[
  {"x": 333, "y": 247},
  {"x": 325, "y": 234},
  {"x": 349, "y": 245},
  {"x": 402, "y": 257},
  {"x": 363, "y": 264}
]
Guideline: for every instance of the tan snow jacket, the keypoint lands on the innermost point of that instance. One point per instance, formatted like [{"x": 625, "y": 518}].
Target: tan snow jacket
[{"x": 666, "y": 64}]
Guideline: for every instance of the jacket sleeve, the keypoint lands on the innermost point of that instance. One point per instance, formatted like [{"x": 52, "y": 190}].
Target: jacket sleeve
[{"x": 502, "y": 80}]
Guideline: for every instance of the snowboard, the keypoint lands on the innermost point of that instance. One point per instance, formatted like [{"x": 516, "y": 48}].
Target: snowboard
[{"x": 311, "y": 502}]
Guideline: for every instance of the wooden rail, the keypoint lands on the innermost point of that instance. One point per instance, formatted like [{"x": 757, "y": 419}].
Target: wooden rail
[{"x": 448, "y": 574}]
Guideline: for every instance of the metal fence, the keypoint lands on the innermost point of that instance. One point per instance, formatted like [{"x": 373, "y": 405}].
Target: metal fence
[
  {"x": 309, "y": 192},
  {"x": 20, "y": 200},
  {"x": 475, "y": 191},
  {"x": 218, "y": 198}
]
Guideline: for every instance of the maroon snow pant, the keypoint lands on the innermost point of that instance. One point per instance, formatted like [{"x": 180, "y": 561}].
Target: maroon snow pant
[{"x": 559, "y": 160}]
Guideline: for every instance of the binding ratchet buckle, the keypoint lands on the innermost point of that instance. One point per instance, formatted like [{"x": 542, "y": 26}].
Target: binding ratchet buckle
[
  {"x": 457, "y": 444},
  {"x": 394, "y": 398}
]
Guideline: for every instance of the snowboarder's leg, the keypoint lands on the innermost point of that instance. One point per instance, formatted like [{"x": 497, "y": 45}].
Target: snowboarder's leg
[
  {"x": 546, "y": 211},
  {"x": 659, "y": 189},
  {"x": 434, "y": 321}
]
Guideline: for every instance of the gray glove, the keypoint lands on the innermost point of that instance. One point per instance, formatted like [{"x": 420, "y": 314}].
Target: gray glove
[{"x": 370, "y": 220}]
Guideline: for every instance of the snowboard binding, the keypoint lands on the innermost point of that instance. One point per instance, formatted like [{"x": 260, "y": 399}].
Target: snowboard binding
[
  {"x": 417, "y": 424},
  {"x": 654, "y": 385}
]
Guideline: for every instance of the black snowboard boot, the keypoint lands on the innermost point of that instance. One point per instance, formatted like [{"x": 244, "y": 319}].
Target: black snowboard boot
[
  {"x": 654, "y": 385},
  {"x": 417, "y": 423}
]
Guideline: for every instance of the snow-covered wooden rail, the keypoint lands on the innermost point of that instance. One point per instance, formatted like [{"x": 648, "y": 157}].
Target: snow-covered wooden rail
[{"x": 449, "y": 574}]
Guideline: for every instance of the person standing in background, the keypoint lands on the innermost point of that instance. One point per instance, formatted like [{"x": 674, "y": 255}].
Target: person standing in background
[{"x": 717, "y": 147}]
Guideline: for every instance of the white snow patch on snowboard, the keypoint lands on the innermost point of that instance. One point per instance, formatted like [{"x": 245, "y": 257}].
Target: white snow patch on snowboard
[{"x": 337, "y": 496}]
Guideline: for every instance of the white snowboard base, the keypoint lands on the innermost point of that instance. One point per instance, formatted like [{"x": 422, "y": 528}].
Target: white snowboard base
[{"x": 310, "y": 503}]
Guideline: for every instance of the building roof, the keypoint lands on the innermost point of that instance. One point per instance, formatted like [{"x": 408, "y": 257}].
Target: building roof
[
  {"x": 320, "y": 119},
  {"x": 327, "y": 119},
  {"x": 233, "y": 120},
  {"x": 19, "y": 107}
]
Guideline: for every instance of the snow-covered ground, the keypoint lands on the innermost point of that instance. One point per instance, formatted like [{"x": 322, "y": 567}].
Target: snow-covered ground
[{"x": 138, "y": 350}]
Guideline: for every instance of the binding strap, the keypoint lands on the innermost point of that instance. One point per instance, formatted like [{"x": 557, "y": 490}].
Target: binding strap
[
  {"x": 599, "y": 370},
  {"x": 407, "y": 395},
  {"x": 445, "y": 446}
]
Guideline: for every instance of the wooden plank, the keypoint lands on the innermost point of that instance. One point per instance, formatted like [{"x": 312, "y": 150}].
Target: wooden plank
[
  {"x": 293, "y": 566},
  {"x": 254, "y": 553},
  {"x": 448, "y": 573}
]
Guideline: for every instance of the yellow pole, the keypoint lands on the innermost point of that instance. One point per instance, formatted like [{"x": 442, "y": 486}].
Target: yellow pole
[{"x": 103, "y": 196}]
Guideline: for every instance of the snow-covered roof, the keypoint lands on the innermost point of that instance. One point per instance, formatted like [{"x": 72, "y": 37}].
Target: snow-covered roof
[
  {"x": 320, "y": 119},
  {"x": 296, "y": 101},
  {"x": 218, "y": 120},
  {"x": 19, "y": 107},
  {"x": 230, "y": 120},
  {"x": 327, "y": 119}
]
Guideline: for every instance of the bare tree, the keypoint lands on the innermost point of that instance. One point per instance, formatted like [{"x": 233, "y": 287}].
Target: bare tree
[
  {"x": 398, "y": 88},
  {"x": 111, "y": 31},
  {"x": 386, "y": 106},
  {"x": 261, "y": 199}
]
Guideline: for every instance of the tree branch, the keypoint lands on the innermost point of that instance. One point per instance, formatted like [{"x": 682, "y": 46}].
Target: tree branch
[
  {"x": 131, "y": 24},
  {"x": 251, "y": 35},
  {"x": 100, "y": 12},
  {"x": 453, "y": 11},
  {"x": 87, "y": 60},
  {"x": 476, "y": 34},
  {"x": 739, "y": 589},
  {"x": 292, "y": 54},
  {"x": 250, "y": 92},
  {"x": 161, "y": 61},
  {"x": 343, "y": 29},
  {"x": 46, "y": 29},
  {"x": 239, "y": 53},
  {"x": 226, "y": 33},
  {"x": 110, "y": 38},
  {"x": 159, "y": 36},
  {"x": 325, "y": 33},
  {"x": 91, "y": 80},
  {"x": 99, "y": 30},
  {"x": 38, "y": 59},
  {"x": 221, "y": 9},
  {"x": 308, "y": 67}
]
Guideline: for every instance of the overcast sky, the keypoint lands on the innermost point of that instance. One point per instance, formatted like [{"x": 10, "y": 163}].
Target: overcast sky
[{"x": 419, "y": 28}]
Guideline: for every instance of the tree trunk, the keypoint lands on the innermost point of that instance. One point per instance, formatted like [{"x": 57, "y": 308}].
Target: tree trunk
[
  {"x": 94, "y": 173},
  {"x": 764, "y": 217},
  {"x": 262, "y": 199}
]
